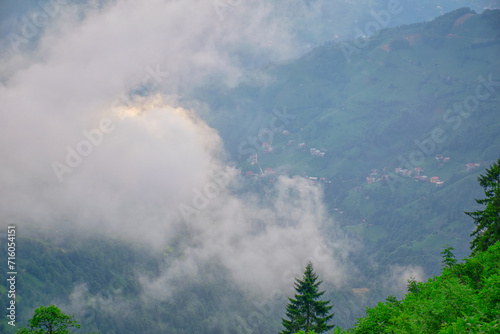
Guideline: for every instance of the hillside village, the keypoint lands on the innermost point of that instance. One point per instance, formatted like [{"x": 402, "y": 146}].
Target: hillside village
[
  {"x": 268, "y": 174},
  {"x": 417, "y": 174}
]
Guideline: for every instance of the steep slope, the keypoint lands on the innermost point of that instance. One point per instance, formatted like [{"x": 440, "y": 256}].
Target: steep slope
[
  {"x": 366, "y": 113},
  {"x": 464, "y": 299},
  {"x": 422, "y": 98}
]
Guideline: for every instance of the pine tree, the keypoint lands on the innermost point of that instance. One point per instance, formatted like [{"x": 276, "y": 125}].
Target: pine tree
[
  {"x": 488, "y": 220},
  {"x": 304, "y": 311}
]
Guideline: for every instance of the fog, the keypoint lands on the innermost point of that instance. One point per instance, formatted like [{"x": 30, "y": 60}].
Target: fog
[
  {"x": 93, "y": 137},
  {"x": 95, "y": 134}
]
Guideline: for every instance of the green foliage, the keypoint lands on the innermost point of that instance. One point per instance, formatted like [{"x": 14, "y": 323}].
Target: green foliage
[
  {"x": 448, "y": 257},
  {"x": 488, "y": 220},
  {"x": 104, "y": 271},
  {"x": 367, "y": 115},
  {"x": 304, "y": 311},
  {"x": 349, "y": 109},
  {"x": 464, "y": 299},
  {"x": 50, "y": 320}
]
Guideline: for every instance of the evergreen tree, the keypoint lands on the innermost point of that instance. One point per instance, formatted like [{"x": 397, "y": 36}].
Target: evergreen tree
[
  {"x": 304, "y": 311},
  {"x": 488, "y": 220},
  {"x": 449, "y": 259}
]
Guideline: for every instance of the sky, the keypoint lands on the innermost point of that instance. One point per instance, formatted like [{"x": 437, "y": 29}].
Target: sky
[{"x": 93, "y": 136}]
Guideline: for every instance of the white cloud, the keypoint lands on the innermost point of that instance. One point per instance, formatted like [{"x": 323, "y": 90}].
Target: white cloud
[
  {"x": 131, "y": 183},
  {"x": 398, "y": 277},
  {"x": 264, "y": 241}
]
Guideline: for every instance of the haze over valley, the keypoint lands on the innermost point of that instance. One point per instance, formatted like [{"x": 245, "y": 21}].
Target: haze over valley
[{"x": 173, "y": 166}]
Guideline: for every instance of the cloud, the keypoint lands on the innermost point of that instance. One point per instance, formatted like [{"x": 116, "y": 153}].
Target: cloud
[
  {"x": 93, "y": 136},
  {"x": 85, "y": 306},
  {"x": 264, "y": 240},
  {"x": 398, "y": 276},
  {"x": 188, "y": 38},
  {"x": 69, "y": 84}
]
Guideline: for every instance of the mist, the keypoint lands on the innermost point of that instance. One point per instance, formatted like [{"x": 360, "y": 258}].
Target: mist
[
  {"x": 99, "y": 132},
  {"x": 94, "y": 137}
]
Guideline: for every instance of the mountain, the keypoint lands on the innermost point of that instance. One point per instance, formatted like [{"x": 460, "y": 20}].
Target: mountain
[
  {"x": 365, "y": 120},
  {"x": 463, "y": 299},
  {"x": 377, "y": 118}
]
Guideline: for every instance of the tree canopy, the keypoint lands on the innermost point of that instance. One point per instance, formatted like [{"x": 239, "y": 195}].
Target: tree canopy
[
  {"x": 488, "y": 220},
  {"x": 304, "y": 311},
  {"x": 464, "y": 299},
  {"x": 50, "y": 320}
]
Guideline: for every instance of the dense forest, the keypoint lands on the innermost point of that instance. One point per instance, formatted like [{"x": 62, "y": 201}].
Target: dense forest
[{"x": 465, "y": 298}]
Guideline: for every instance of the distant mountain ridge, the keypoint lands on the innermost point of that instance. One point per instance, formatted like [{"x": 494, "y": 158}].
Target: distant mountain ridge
[
  {"x": 366, "y": 130},
  {"x": 392, "y": 132}
]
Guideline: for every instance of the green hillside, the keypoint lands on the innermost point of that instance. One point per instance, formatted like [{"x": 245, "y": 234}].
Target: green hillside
[
  {"x": 465, "y": 298},
  {"x": 416, "y": 96},
  {"x": 365, "y": 120},
  {"x": 97, "y": 279}
]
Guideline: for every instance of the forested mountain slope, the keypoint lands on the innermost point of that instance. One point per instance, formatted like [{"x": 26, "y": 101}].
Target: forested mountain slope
[
  {"x": 465, "y": 298},
  {"x": 395, "y": 126},
  {"x": 366, "y": 120}
]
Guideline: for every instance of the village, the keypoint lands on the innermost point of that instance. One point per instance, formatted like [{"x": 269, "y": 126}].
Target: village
[
  {"x": 417, "y": 173},
  {"x": 270, "y": 174},
  {"x": 375, "y": 175}
]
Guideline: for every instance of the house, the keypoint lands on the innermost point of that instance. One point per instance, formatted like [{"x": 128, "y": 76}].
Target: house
[
  {"x": 442, "y": 160},
  {"x": 370, "y": 179},
  {"x": 249, "y": 173},
  {"x": 434, "y": 179},
  {"x": 418, "y": 170},
  {"x": 316, "y": 152},
  {"x": 471, "y": 166},
  {"x": 405, "y": 172},
  {"x": 286, "y": 132},
  {"x": 267, "y": 147},
  {"x": 269, "y": 171},
  {"x": 301, "y": 145}
]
